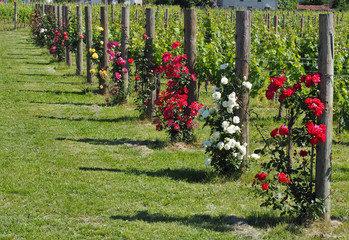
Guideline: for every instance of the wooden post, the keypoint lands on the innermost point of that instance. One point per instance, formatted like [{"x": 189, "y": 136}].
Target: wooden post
[
  {"x": 283, "y": 21},
  {"x": 302, "y": 26},
  {"x": 103, "y": 87},
  {"x": 88, "y": 37},
  {"x": 276, "y": 21},
  {"x": 166, "y": 18},
  {"x": 112, "y": 13},
  {"x": 15, "y": 15},
  {"x": 68, "y": 56},
  {"x": 79, "y": 53},
  {"x": 136, "y": 15},
  {"x": 326, "y": 70},
  {"x": 231, "y": 16},
  {"x": 150, "y": 31},
  {"x": 190, "y": 50},
  {"x": 59, "y": 16},
  {"x": 242, "y": 63},
  {"x": 268, "y": 21},
  {"x": 125, "y": 35}
]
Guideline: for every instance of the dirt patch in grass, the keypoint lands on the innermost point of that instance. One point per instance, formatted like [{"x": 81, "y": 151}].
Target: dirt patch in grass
[{"x": 242, "y": 228}]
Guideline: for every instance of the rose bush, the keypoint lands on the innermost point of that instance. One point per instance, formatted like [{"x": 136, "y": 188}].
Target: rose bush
[{"x": 288, "y": 183}]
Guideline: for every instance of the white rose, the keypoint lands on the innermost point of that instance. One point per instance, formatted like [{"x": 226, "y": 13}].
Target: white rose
[
  {"x": 232, "y": 96},
  {"x": 220, "y": 145},
  {"x": 230, "y": 109},
  {"x": 231, "y": 129},
  {"x": 227, "y": 146},
  {"x": 236, "y": 119},
  {"x": 254, "y": 156},
  {"x": 216, "y": 95},
  {"x": 247, "y": 85},
  {"x": 207, "y": 161},
  {"x": 224, "y": 80},
  {"x": 216, "y": 135},
  {"x": 232, "y": 142},
  {"x": 225, "y": 124},
  {"x": 225, "y": 104}
]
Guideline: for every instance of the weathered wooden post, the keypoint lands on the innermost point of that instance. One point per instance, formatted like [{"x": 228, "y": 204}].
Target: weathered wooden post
[
  {"x": 166, "y": 18},
  {"x": 283, "y": 21},
  {"x": 136, "y": 15},
  {"x": 242, "y": 63},
  {"x": 79, "y": 53},
  {"x": 15, "y": 15},
  {"x": 326, "y": 70},
  {"x": 112, "y": 13},
  {"x": 150, "y": 31},
  {"x": 276, "y": 22},
  {"x": 68, "y": 56},
  {"x": 103, "y": 88},
  {"x": 125, "y": 35},
  {"x": 231, "y": 16},
  {"x": 268, "y": 21},
  {"x": 88, "y": 37},
  {"x": 190, "y": 50},
  {"x": 59, "y": 16}
]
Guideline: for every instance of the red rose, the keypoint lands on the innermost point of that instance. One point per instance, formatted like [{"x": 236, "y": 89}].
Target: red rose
[
  {"x": 130, "y": 60},
  {"x": 265, "y": 186},
  {"x": 261, "y": 176},
  {"x": 284, "y": 130},
  {"x": 175, "y": 45},
  {"x": 274, "y": 132},
  {"x": 303, "y": 153}
]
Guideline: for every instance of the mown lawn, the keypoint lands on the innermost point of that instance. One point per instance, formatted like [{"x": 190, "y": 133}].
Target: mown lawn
[{"x": 72, "y": 168}]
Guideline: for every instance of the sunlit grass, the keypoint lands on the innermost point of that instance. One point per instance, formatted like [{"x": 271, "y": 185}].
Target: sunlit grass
[{"x": 73, "y": 168}]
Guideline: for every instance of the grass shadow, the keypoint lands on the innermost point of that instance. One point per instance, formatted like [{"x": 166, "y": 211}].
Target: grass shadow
[
  {"x": 50, "y": 91},
  {"x": 157, "y": 144},
  {"x": 266, "y": 220},
  {"x": 41, "y": 82},
  {"x": 220, "y": 223},
  {"x": 41, "y": 63},
  {"x": 37, "y": 75},
  {"x": 70, "y": 103},
  {"x": 111, "y": 120},
  {"x": 188, "y": 175}
]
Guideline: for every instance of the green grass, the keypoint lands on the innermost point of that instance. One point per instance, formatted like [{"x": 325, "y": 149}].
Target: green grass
[{"x": 72, "y": 168}]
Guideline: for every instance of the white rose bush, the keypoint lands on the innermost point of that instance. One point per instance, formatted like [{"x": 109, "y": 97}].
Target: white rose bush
[{"x": 224, "y": 147}]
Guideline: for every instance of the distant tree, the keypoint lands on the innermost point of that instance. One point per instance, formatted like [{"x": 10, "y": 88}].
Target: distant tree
[
  {"x": 341, "y": 5},
  {"x": 287, "y": 4}
]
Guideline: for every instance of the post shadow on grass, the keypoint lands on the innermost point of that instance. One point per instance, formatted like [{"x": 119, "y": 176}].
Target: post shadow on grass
[
  {"x": 157, "y": 144},
  {"x": 37, "y": 75},
  {"x": 70, "y": 103},
  {"x": 111, "y": 120},
  {"x": 42, "y": 63},
  {"x": 188, "y": 175},
  {"x": 41, "y": 82},
  {"x": 58, "y": 92},
  {"x": 222, "y": 223},
  {"x": 267, "y": 219}
]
